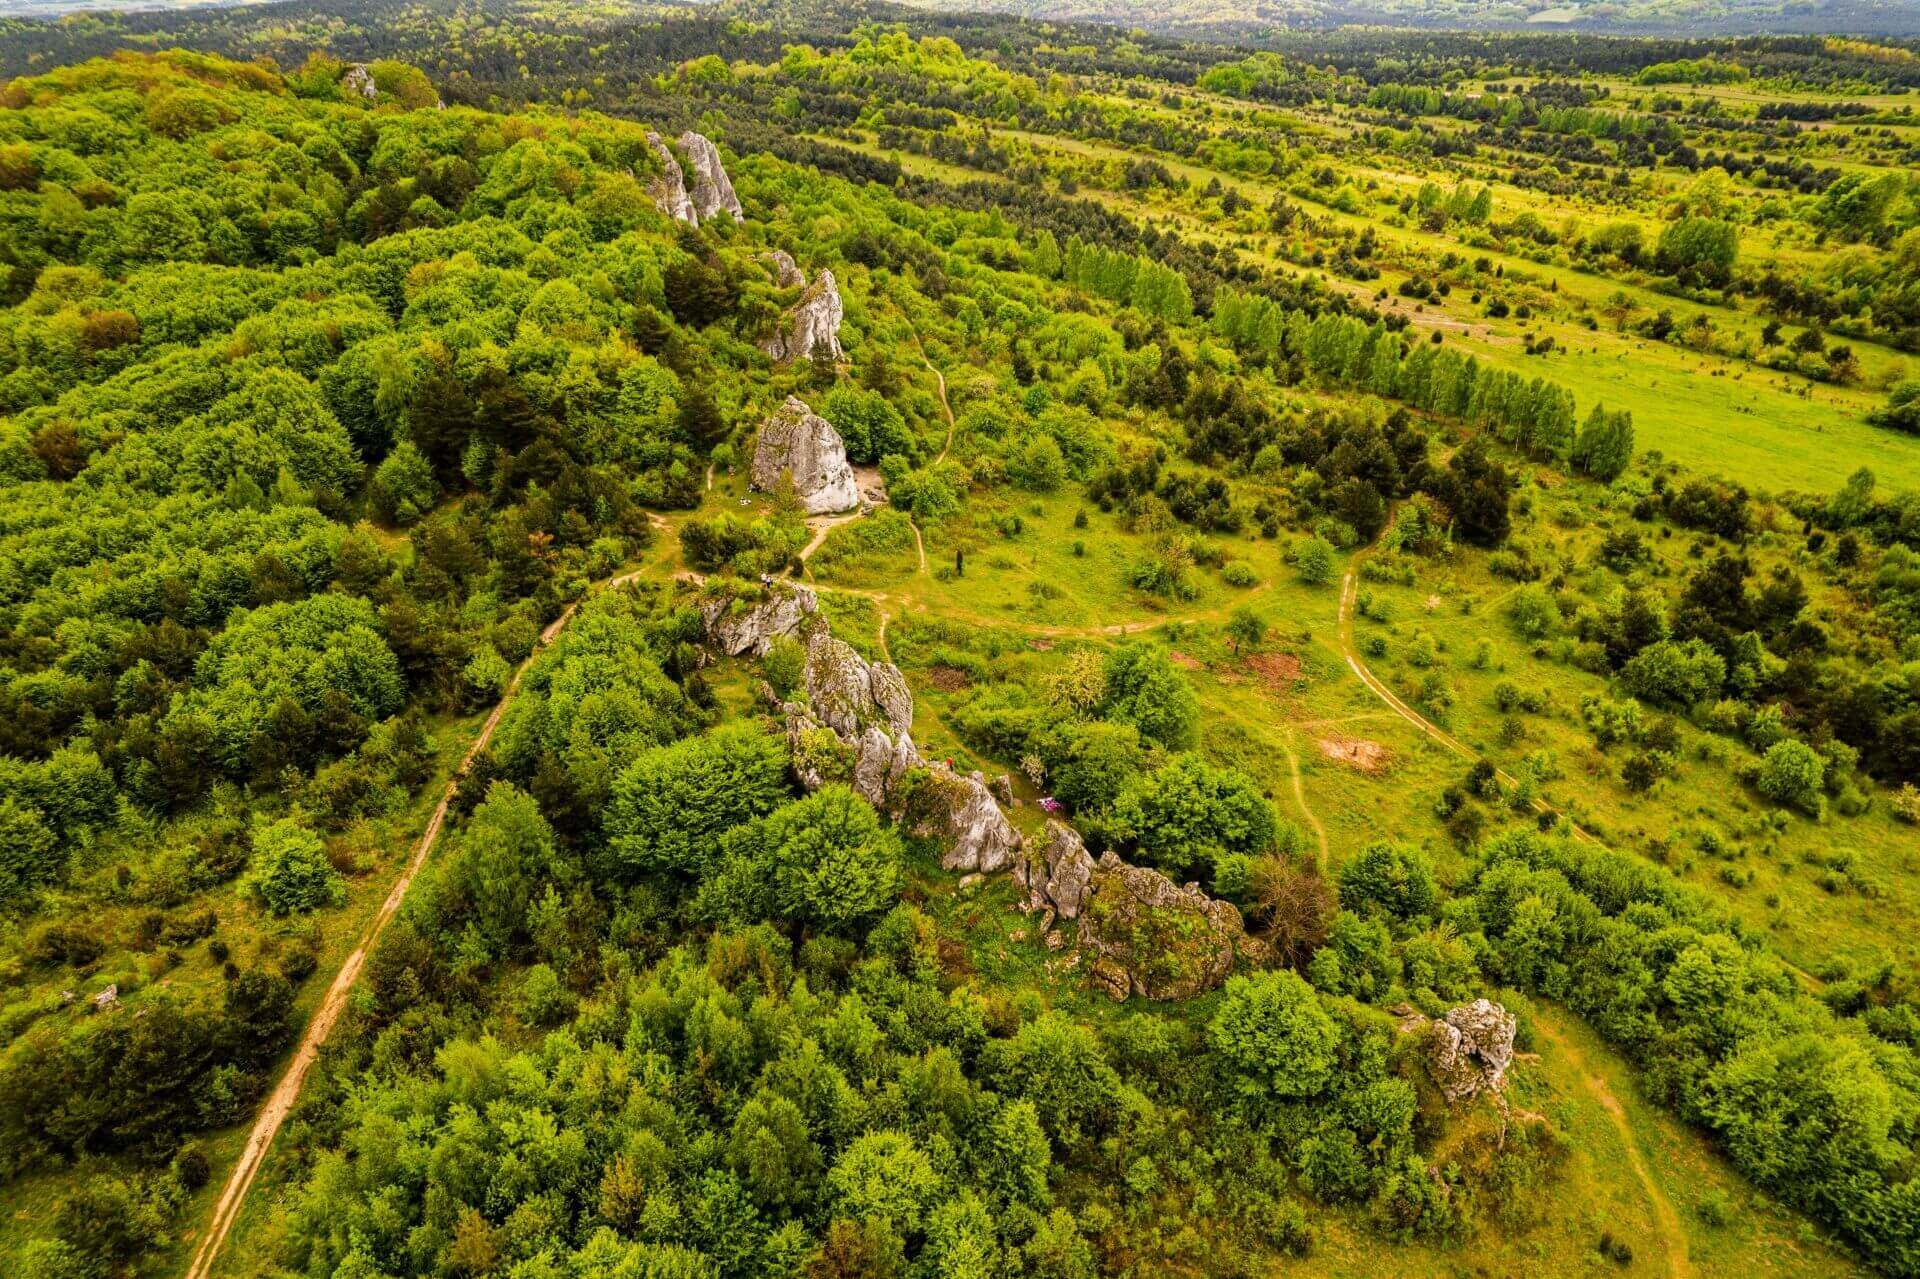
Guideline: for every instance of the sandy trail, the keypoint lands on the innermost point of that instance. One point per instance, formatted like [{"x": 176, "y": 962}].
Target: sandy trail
[
  {"x": 266, "y": 1125},
  {"x": 1300, "y": 798},
  {"x": 1666, "y": 1221}
]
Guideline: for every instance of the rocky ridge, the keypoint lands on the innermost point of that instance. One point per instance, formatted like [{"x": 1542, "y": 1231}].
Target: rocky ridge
[{"x": 1143, "y": 934}]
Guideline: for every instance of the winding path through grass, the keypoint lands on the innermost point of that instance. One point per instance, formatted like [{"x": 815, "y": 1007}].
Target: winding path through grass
[{"x": 1666, "y": 1221}]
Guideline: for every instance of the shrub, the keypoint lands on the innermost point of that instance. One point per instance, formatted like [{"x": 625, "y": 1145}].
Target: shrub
[
  {"x": 290, "y": 873},
  {"x": 1313, "y": 560},
  {"x": 1393, "y": 879},
  {"x": 1792, "y": 773},
  {"x": 1273, "y": 1037}
]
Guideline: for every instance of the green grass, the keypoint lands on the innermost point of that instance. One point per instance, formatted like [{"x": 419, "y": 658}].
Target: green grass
[{"x": 1711, "y": 413}]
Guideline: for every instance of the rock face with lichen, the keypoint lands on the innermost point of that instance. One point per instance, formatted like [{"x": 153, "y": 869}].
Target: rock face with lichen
[
  {"x": 847, "y": 693},
  {"x": 1148, "y": 936},
  {"x": 669, "y": 190},
  {"x": 359, "y": 79},
  {"x": 1061, "y": 877},
  {"x": 960, "y": 810},
  {"x": 712, "y": 190},
  {"x": 1469, "y": 1049},
  {"x": 786, "y": 272},
  {"x": 747, "y": 625},
  {"x": 812, "y": 326},
  {"x": 797, "y": 441}
]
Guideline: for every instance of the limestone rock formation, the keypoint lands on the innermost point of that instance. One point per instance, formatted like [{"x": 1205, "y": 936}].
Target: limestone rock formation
[
  {"x": 812, "y": 325},
  {"x": 848, "y": 693},
  {"x": 1469, "y": 1049},
  {"x": 1060, "y": 881},
  {"x": 359, "y": 79},
  {"x": 712, "y": 189},
  {"x": 786, "y": 272},
  {"x": 961, "y": 811},
  {"x": 1148, "y": 936},
  {"x": 798, "y": 441},
  {"x": 669, "y": 190},
  {"x": 747, "y": 625}
]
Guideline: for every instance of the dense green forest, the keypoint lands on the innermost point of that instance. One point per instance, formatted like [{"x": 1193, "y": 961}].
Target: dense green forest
[{"x": 787, "y": 642}]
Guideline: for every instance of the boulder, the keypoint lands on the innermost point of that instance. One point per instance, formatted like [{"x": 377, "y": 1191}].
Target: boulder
[
  {"x": 669, "y": 190},
  {"x": 712, "y": 190},
  {"x": 1148, "y": 936},
  {"x": 359, "y": 79},
  {"x": 848, "y": 693},
  {"x": 1471, "y": 1048},
  {"x": 797, "y": 441},
  {"x": 1060, "y": 881},
  {"x": 747, "y": 625},
  {"x": 812, "y": 325},
  {"x": 962, "y": 812},
  {"x": 786, "y": 272}
]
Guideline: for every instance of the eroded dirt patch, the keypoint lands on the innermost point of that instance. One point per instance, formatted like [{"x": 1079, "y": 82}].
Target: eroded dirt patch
[
  {"x": 1368, "y": 757},
  {"x": 948, "y": 679},
  {"x": 1184, "y": 662},
  {"x": 1276, "y": 671}
]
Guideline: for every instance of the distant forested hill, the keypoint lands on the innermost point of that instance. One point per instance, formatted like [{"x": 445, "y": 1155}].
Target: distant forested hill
[{"x": 1240, "y": 19}]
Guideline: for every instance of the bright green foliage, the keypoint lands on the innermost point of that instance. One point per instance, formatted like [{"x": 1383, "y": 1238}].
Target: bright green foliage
[
  {"x": 1793, "y": 773},
  {"x": 1313, "y": 560},
  {"x": 672, "y": 803},
  {"x": 1145, "y": 689},
  {"x": 884, "y": 1176},
  {"x": 1090, "y": 762},
  {"x": 1675, "y": 673},
  {"x": 825, "y": 860},
  {"x": 1274, "y": 1037},
  {"x": 403, "y": 485},
  {"x": 772, "y": 1154},
  {"x": 1533, "y": 612},
  {"x": 1186, "y": 812},
  {"x": 1604, "y": 446},
  {"x": 321, "y": 656},
  {"x": 505, "y": 855},
  {"x": 869, "y": 425},
  {"x": 290, "y": 873},
  {"x": 27, "y": 849},
  {"x": 1060, "y": 1067},
  {"x": 1391, "y": 879},
  {"x": 1039, "y": 465},
  {"x": 1018, "y": 1158},
  {"x": 1699, "y": 248}
]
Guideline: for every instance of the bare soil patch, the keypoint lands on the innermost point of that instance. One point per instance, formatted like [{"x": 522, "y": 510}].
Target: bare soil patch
[
  {"x": 1276, "y": 671},
  {"x": 948, "y": 679},
  {"x": 1367, "y": 756},
  {"x": 1184, "y": 662}
]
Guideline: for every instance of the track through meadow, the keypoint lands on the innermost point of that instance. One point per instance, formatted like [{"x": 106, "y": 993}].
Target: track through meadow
[{"x": 279, "y": 1104}]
